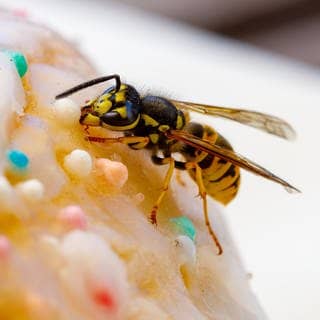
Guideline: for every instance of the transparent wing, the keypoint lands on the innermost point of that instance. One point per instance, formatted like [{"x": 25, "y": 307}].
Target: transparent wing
[
  {"x": 228, "y": 155},
  {"x": 258, "y": 120}
]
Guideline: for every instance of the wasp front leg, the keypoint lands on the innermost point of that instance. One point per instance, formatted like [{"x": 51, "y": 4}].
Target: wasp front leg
[{"x": 167, "y": 179}]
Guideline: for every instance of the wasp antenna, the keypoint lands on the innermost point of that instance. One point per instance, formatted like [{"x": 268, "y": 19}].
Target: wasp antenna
[
  {"x": 292, "y": 189},
  {"x": 90, "y": 83}
]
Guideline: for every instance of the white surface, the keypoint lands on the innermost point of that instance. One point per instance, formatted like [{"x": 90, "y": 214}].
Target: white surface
[{"x": 277, "y": 233}]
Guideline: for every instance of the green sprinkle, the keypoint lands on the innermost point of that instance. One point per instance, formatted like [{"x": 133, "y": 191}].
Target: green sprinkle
[
  {"x": 19, "y": 60},
  {"x": 184, "y": 226}
]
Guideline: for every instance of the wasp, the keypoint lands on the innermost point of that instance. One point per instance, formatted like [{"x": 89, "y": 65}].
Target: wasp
[{"x": 163, "y": 126}]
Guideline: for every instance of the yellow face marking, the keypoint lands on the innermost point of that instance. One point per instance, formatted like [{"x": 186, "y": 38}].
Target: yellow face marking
[
  {"x": 154, "y": 137},
  {"x": 103, "y": 105},
  {"x": 122, "y": 111},
  {"x": 90, "y": 120},
  {"x": 149, "y": 121},
  {"x": 164, "y": 128},
  {"x": 120, "y": 96}
]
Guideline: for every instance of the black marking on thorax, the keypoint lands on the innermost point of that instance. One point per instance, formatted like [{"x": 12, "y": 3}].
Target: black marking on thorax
[{"x": 160, "y": 109}]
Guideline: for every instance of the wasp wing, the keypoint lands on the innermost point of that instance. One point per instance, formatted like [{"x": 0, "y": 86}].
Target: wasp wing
[
  {"x": 228, "y": 155},
  {"x": 258, "y": 120}
]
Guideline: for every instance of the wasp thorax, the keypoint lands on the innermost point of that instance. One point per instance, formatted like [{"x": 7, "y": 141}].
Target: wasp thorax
[{"x": 160, "y": 113}]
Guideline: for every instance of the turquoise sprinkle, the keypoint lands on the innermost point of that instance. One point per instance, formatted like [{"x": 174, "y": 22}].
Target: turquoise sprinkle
[
  {"x": 19, "y": 60},
  {"x": 184, "y": 226},
  {"x": 18, "y": 159}
]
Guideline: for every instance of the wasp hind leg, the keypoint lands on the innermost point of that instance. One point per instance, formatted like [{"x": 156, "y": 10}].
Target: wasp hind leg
[
  {"x": 167, "y": 179},
  {"x": 203, "y": 194}
]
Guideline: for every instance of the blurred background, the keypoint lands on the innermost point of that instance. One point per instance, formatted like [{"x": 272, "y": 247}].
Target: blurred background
[{"x": 289, "y": 27}]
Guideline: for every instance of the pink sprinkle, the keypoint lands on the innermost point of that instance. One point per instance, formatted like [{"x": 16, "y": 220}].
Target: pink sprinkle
[
  {"x": 22, "y": 13},
  {"x": 103, "y": 297},
  {"x": 5, "y": 247},
  {"x": 74, "y": 217}
]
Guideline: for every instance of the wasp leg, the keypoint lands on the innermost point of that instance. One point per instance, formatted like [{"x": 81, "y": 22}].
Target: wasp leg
[
  {"x": 203, "y": 194},
  {"x": 158, "y": 160},
  {"x": 134, "y": 142}
]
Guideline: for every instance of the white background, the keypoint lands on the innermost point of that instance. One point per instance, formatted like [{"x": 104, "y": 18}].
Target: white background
[{"x": 277, "y": 233}]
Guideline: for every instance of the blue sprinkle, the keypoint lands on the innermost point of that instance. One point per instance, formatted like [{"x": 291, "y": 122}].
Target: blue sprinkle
[
  {"x": 18, "y": 159},
  {"x": 184, "y": 226}
]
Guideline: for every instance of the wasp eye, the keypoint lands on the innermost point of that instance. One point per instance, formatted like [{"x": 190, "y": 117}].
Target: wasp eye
[
  {"x": 111, "y": 118},
  {"x": 121, "y": 116}
]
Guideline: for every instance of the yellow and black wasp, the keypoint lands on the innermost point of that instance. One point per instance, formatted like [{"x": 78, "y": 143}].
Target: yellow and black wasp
[{"x": 163, "y": 126}]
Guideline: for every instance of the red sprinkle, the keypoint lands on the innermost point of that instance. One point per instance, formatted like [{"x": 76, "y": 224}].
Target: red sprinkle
[{"x": 103, "y": 297}]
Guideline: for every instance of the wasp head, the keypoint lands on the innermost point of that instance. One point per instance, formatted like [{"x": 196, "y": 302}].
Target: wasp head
[{"x": 117, "y": 110}]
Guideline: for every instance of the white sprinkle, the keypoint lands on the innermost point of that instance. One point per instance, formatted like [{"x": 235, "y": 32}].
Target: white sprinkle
[
  {"x": 31, "y": 190},
  {"x": 50, "y": 241},
  {"x": 78, "y": 163},
  {"x": 51, "y": 246},
  {"x": 186, "y": 250},
  {"x": 6, "y": 191},
  {"x": 67, "y": 111},
  {"x": 9, "y": 202}
]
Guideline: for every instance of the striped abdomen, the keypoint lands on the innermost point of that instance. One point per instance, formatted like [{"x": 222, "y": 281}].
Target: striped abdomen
[{"x": 220, "y": 177}]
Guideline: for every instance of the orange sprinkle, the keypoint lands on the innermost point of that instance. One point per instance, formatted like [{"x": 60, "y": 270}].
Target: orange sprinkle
[{"x": 115, "y": 173}]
